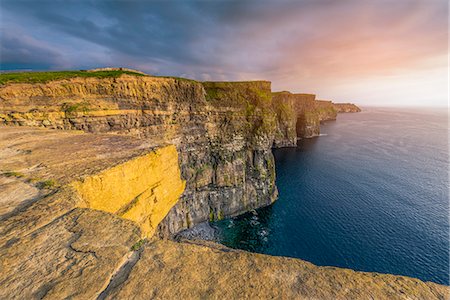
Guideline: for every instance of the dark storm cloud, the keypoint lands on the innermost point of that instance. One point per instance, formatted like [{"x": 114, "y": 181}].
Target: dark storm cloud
[{"x": 293, "y": 43}]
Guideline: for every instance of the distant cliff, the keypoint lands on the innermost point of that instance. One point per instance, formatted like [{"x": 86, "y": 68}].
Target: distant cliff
[
  {"x": 325, "y": 110},
  {"x": 346, "y": 107},
  {"x": 299, "y": 116}
]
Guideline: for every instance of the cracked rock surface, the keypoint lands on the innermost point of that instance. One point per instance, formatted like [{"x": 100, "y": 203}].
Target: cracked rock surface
[
  {"x": 88, "y": 254},
  {"x": 204, "y": 270},
  {"x": 73, "y": 256}
]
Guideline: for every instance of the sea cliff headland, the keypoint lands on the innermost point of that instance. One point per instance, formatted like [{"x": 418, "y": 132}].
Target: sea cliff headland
[{"x": 100, "y": 168}]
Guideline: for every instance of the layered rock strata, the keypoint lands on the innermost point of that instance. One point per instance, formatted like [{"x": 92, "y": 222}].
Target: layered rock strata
[
  {"x": 223, "y": 132},
  {"x": 53, "y": 172}
]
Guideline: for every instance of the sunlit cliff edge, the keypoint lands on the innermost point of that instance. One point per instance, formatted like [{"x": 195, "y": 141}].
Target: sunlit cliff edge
[{"x": 97, "y": 168}]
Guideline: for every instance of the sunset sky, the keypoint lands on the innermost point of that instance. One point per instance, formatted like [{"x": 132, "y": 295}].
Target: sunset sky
[{"x": 382, "y": 52}]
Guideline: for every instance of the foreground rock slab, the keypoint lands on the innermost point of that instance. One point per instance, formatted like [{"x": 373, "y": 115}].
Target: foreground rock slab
[
  {"x": 117, "y": 174},
  {"x": 171, "y": 270},
  {"x": 73, "y": 256}
]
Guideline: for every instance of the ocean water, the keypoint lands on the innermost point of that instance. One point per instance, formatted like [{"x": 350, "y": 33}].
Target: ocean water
[{"x": 370, "y": 194}]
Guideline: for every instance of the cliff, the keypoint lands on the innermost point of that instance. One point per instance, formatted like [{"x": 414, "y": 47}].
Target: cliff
[
  {"x": 72, "y": 170},
  {"x": 56, "y": 243},
  {"x": 81, "y": 214},
  {"x": 325, "y": 110},
  {"x": 299, "y": 116},
  {"x": 346, "y": 107},
  {"x": 223, "y": 132}
]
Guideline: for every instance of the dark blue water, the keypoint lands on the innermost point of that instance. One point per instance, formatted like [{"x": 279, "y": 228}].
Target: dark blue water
[{"x": 371, "y": 194}]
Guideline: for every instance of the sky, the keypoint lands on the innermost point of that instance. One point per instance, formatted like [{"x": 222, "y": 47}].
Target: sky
[{"x": 370, "y": 52}]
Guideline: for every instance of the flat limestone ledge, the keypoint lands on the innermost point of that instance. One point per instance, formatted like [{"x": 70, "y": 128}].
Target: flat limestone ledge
[
  {"x": 46, "y": 173},
  {"x": 204, "y": 270},
  {"x": 39, "y": 154},
  {"x": 90, "y": 254},
  {"x": 36, "y": 162}
]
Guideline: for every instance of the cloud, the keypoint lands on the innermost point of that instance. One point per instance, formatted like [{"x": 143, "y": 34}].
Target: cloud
[
  {"x": 21, "y": 51},
  {"x": 295, "y": 44}
]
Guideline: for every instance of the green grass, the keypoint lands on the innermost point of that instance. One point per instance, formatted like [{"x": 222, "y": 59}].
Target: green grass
[
  {"x": 211, "y": 215},
  {"x": 69, "y": 108},
  {"x": 211, "y": 93},
  {"x": 138, "y": 245},
  {"x": 41, "y": 77},
  {"x": 46, "y": 184},
  {"x": 178, "y": 78},
  {"x": 229, "y": 83},
  {"x": 13, "y": 174}
]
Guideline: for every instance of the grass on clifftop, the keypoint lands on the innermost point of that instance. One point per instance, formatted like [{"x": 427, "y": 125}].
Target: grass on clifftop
[{"x": 41, "y": 77}]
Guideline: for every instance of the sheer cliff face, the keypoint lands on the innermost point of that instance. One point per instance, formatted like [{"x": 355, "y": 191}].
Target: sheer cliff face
[
  {"x": 284, "y": 105},
  {"x": 232, "y": 169},
  {"x": 223, "y": 132},
  {"x": 299, "y": 116},
  {"x": 325, "y": 110}
]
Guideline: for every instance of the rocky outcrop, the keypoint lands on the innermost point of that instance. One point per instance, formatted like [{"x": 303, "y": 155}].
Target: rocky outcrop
[
  {"x": 346, "y": 107},
  {"x": 223, "y": 132},
  {"x": 75, "y": 170},
  {"x": 153, "y": 188}
]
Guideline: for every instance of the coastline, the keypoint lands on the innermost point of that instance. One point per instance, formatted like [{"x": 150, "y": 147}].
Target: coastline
[{"x": 185, "y": 152}]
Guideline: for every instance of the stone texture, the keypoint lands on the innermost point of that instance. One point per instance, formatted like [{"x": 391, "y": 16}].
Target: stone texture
[
  {"x": 210, "y": 271},
  {"x": 223, "y": 132},
  {"x": 54, "y": 165},
  {"x": 153, "y": 187},
  {"x": 72, "y": 257}
]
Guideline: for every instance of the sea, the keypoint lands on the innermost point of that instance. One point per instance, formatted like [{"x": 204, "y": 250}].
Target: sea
[{"x": 371, "y": 193}]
